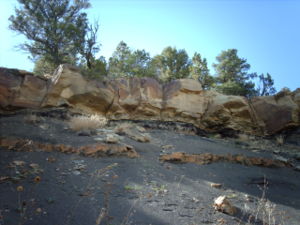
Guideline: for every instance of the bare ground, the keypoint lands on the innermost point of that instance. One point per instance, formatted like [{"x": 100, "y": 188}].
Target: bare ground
[{"x": 69, "y": 189}]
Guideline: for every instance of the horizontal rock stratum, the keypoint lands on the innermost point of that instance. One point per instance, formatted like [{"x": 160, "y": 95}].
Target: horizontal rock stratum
[{"x": 181, "y": 100}]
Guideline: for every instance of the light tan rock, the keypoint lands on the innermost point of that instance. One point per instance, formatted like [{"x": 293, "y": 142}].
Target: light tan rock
[
  {"x": 126, "y": 99},
  {"x": 136, "y": 98},
  {"x": 150, "y": 105},
  {"x": 69, "y": 87},
  {"x": 111, "y": 139},
  {"x": 183, "y": 101},
  {"x": 146, "y": 99},
  {"x": 227, "y": 112},
  {"x": 222, "y": 204}
]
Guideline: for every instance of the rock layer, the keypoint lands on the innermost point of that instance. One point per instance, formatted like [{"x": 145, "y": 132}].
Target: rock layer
[
  {"x": 93, "y": 150},
  {"x": 181, "y": 100},
  {"x": 208, "y": 158}
]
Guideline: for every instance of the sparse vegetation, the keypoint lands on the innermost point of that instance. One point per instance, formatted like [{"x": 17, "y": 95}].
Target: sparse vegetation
[
  {"x": 279, "y": 140},
  {"x": 265, "y": 210},
  {"x": 90, "y": 122}
]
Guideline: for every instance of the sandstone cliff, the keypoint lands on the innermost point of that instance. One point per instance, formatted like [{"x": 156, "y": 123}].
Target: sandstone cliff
[{"x": 145, "y": 99}]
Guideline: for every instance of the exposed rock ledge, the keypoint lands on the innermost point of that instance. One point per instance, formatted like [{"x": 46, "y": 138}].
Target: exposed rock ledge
[{"x": 181, "y": 100}]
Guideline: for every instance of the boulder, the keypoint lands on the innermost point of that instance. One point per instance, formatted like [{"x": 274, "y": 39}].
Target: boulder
[
  {"x": 226, "y": 112},
  {"x": 69, "y": 87},
  {"x": 10, "y": 82},
  {"x": 150, "y": 106},
  {"x": 183, "y": 101},
  {"x": 277, "y": 112},
  {"x": 136, "y": 98},
  {"x": 20, "y": 88},
  {"x": 126, "y": 99}
]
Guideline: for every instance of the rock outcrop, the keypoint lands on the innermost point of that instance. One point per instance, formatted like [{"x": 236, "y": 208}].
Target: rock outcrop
[
  {"x": 20, "y": 88},
  {"x": 278, "y": 112},
  {"x": 181, "y": 100}
]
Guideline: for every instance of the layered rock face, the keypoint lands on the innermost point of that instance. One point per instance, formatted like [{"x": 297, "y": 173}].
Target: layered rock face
[
  {"x": 21, "y": 89},
  {"x": 146, "y": 99}
]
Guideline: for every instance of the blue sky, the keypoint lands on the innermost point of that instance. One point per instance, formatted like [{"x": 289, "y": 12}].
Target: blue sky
[{"x": 265, "y": 32}]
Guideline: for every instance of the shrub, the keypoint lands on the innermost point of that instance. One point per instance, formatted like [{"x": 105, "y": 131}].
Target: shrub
[{"x": 90, "y": 122}]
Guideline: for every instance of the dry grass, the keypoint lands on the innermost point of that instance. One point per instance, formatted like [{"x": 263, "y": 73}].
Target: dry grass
[
  {"x": 265, "y": 208},
  {"x": 90, "y": 122},
  {"x": 279, "y": 140}
]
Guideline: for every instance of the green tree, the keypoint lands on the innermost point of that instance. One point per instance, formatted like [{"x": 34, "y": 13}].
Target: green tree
[
  {"x": 266, "y": 85},
  {"x": 54, "y": 29},
  {"x": 42, "y": 66},
  {"x": 232, "y": 74},
  {"x": 89, "y": 46},
  {"x": 199, "y": 71},
  {"x": 172, "y": 64},
  {"x": 127, "y": 63},
  {"x": 118, "y": 63},
  {"x": 140, "y": 61},
  {"x": 98, "y": 69}
]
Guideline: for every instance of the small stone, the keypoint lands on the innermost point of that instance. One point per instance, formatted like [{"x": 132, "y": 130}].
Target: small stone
[
  {"x": 33, "y": 165},
  {"x": 297, "y": 168},
  {"x": 37, "y": 179},
  {"x": 166, "y": 147},
  {"x": 141, "y": 129},
  {"x": 195, "y": 200},
  {"x": 38, "y": 210},
  {"x": 222, "y": 204},
  {"x": 20, "y": 188},
  {"x": 111, "y": 139},
  {"x": 51, "y": 159},
  {"x": 76, "y": 173},
  {"x": 216, "y": 185},
  {"x": 248, "y": 198},
  {"x": 98, "y": 139},
  {"x": 84, "y": 133},
  {"x": 18, "y": 163}
]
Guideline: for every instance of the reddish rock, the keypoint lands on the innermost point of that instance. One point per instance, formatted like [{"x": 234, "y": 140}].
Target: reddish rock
[
  {"x": 94, "y": 150},
  {"x": 208, "y": 158},
  {"x": 277, "y": 112},
  {"x": 21, "y": 89}
]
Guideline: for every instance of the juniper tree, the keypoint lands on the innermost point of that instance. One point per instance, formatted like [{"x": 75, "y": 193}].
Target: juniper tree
[{"x": 55, "y": 29}]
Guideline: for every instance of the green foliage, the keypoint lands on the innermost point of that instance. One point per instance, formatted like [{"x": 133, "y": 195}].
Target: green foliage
[
  {"x": 230, "y": 67},
  {"x": 172, "y": 64},
  {"x": 127, "y": 63},
  {"x": 42, "y": 67},
  {"x": 89, "y": 47},
  {"x": 234, "y": 88},
  {"x": 232, "y": 74},
  {"x": 199, "y": 71},
  {"x": 56, "y": 30},
  {"x": 98, "y": 69},
  {"x": 266, "y": 85}
]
